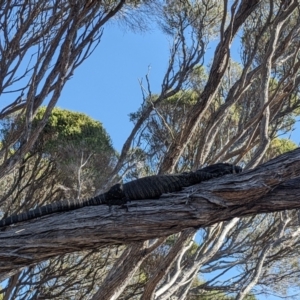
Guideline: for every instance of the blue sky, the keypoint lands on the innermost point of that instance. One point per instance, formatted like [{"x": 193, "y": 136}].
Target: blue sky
[{"x": 106, "y": 86}]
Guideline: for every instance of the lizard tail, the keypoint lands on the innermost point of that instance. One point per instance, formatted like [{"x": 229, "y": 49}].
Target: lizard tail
[{"x": 64, "y": 205}]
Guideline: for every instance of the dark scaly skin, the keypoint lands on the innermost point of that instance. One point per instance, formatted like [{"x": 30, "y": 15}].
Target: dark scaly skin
[{"x": 149, "y": 187}]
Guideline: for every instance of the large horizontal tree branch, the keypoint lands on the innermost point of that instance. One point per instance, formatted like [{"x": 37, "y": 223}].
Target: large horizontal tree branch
[{"x": 270, "y": 187}]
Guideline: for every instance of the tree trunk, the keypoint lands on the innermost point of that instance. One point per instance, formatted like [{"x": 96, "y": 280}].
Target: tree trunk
[{"x": 273, "y": 186}]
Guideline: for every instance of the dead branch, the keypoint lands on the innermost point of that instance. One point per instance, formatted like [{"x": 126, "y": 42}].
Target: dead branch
[{"x": 253, "y": 192}]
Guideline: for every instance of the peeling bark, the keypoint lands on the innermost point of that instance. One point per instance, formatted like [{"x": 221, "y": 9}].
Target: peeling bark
[{"x": 273, "y": 186}]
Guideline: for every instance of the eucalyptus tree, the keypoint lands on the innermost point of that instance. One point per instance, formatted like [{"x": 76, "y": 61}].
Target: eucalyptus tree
[{"x": 232, "y": 110}]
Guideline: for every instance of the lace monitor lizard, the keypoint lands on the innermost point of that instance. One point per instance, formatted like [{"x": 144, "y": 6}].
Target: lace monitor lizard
[{"x": 149, "y": 187}]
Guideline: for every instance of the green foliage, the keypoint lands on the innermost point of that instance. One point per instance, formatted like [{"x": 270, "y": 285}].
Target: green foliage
[
  {"x": 282, "y": 145},
  {"x": 65, "y": 126},
  {"x": 71, "y": 158},
  {"x": 183, "y": 97},
  {"x": 180, "y": 99},
  {"x": 279, "y": 146},
  {"x": 195, "y": 294},
  {"x": 198, "y": 77},
  {"x": 250, "y": 297},
  {"x": 79, "y": 146}
]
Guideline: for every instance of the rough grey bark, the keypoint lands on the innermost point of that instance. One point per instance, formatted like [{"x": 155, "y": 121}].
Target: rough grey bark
[{"x": 267, "y": 188}]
